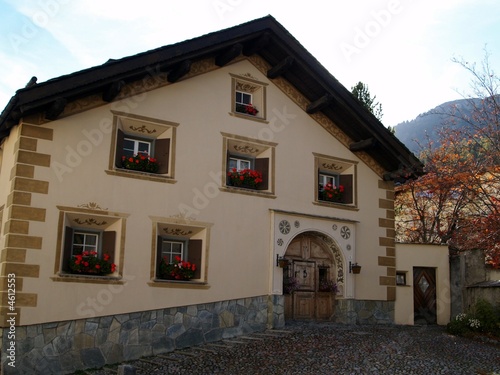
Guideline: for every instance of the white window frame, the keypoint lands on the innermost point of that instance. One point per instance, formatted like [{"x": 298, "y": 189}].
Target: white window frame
[
  {"x": 170, "y": 254},
  {"x": 86, "y": 233},
  {"x": 137, "y": 142},
  {"x": 325, "y": 178},
  {"x": 243, "y": 95},
  {"x": 239, "y": 162}
]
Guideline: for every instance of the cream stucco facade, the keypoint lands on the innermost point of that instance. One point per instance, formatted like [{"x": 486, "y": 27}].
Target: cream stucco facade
[
  {"x": 240, "y": 247},
  {"x": 63, "y": 181}
]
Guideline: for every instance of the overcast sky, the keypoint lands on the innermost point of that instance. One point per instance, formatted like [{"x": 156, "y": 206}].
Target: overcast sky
[{"x": 402, "y": 49}]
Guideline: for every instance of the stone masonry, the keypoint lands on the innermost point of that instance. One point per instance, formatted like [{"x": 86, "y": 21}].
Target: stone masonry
[{"x": 64, "y": 347}]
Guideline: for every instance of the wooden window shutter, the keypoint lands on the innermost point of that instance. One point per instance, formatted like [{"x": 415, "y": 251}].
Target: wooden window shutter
[
  {"x": 194, "y": 255},
  {"x": 120, "y": 136},
  {"x": 262, "y": 165},
  {"x": 109, "y": 244},
  {"x": 162, "y": 154},
  {"x": 68, "y": 243},
  {"x": 346, "y": 181}
]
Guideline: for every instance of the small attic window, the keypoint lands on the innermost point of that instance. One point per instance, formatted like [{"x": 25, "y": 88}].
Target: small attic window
[{"x": 248, "y": 97}]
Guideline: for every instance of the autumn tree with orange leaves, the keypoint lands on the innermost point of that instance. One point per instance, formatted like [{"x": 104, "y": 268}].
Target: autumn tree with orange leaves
[{"x": 457, "y": 201}]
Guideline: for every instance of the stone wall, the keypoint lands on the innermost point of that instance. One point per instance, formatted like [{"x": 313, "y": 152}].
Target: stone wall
[
  {"x": 472, "y": 281},
  {"x": 350, "y": 311},
  {"x": 64, "y": 347}
]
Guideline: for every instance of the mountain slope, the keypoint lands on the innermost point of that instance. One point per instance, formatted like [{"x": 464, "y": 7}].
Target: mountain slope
[{"x": 427, "y": 125}]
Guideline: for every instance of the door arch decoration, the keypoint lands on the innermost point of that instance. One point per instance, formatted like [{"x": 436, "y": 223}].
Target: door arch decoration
[{"x": 313, "y": 258}]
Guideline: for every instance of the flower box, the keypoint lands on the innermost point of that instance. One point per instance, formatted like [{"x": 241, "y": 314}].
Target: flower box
[
  {"x": 177, "y": 270},
  {"x": 330, "y": 193},
  {"x": 247, "y": 109},
  {"x": 246, "y": 178},
  {"x": 88, "y": 263},
  {"x": 140, "y": 162}
]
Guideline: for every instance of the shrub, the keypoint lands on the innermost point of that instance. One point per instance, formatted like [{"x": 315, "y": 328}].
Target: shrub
[{"x": 482, "y": 317}]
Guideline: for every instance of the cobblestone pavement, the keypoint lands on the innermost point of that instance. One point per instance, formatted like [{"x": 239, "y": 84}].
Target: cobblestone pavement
[{"x": 328, "y": 348}]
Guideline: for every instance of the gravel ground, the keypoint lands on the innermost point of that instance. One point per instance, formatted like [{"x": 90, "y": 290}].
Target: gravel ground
[{"x": 328, "y": 348}]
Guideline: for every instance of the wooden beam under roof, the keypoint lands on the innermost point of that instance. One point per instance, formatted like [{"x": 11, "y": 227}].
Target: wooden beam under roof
[
  {"x": 179, "y": 71},
  {"x": 229, "y": 54},
  {"x": 112, "y": 91},
  {"x": 362, "y": 145},
  {"x": 319, "y": 104},
  {"x": 55, "y": 109},
  {"x": 281, "y": 67}
]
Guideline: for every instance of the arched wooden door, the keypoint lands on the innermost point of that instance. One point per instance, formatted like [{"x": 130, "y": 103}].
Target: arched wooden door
[{"x": 311, "y": 264}]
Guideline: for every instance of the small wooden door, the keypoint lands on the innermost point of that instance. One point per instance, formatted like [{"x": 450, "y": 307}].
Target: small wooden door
[{"x": 424, "y": 295}]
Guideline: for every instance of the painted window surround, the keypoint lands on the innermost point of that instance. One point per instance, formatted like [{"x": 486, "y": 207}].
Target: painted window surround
[
  {"x": 346, "y": 170},
  {"x": 161, "y": 134},
  {"x": 194, "y": 233},
  {"x": 92, "y": 218}
]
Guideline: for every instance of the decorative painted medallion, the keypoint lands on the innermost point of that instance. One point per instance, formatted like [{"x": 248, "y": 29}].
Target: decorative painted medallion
[
  {"x": 345, "y": 232},
  {"x": 297, "y": 224},
  {"x": 334, "y": 226},
  {"x": 177, "y": 231},
  {"x": 284, "y": 227},
  {"x": 348, "y": 247},
  {"x": 279, "y": 242},
  {"x": 89, "y": 221}
]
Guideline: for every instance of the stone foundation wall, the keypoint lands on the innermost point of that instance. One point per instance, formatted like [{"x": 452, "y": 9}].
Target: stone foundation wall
[
  {"x": 64, "y": 347},
  {"x": 349, "y": 311}
]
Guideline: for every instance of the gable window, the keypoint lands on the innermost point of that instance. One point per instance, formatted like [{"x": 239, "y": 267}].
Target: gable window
[
  {"x": 248, "y": 164},
  {"x": 142, "y": 146},
  {"x": 89, "y": 243},
  {"x": 248, "y": 97},
  {"x": 180, "y": 252},
  {"x": 335, "y": 182}
]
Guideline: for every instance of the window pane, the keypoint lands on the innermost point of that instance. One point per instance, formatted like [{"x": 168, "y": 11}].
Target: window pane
[
  {"x": 84, "y": 242},
  {"x": 128, "y": 147},
  {"x": 171, "y": 249},
  {"x": 243, "y": 98},
  {"x": 143, "y": 147},
  {"x": 327, "y": 179},
  {"x": 233, "y": 163},
  {"x": 239, "y": 164},
  {"x": 244, "y": 164}
]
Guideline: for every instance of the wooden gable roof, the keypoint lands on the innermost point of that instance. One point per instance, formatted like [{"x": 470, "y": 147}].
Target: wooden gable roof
[{"x": 265, "y": 37}]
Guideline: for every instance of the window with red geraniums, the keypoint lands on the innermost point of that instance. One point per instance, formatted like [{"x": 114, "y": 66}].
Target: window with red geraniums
[
  {"x": 244, "y": 104},
  {"x": 89, "y": 263},
  {"x": 140, "y": 162},
  {"x": 178, "y": 269},
  {"x": 248, "y": 109},
  {"x": 330, "y": 192},
  {"x": 247, "y": 178}
]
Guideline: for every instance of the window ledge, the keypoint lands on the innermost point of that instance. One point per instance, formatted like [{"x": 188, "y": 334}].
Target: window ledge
[
  {"x": 159, "y": 283},
  {"x": 141, "y": 175},
  {"x": 249, "y": 117},
  {"x": 336, "y": 205},
  {"x": 74, "y": 278},
  {"x": 257, "y": 193}
]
